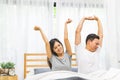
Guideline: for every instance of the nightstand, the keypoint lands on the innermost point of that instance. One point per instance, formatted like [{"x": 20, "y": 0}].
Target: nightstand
[{"x": 8, "y": 78}]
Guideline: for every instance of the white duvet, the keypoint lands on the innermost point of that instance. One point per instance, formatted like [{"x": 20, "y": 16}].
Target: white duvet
[
  {"x": 53, "y": 75},
  {"x": 111, "y": 74}
]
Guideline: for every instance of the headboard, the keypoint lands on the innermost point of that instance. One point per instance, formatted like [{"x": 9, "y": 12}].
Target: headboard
[{"x": 39, "y": 60}]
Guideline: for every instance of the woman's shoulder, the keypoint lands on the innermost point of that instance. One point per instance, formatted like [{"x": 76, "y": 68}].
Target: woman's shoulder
[{"x": 66, "y": 54}]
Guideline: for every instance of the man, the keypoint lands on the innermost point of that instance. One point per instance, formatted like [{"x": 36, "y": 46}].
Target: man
[{"x": 88, "y": 56}]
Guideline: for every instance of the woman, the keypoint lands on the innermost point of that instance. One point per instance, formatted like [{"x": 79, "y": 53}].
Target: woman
[{"x": 57, "y": 58}]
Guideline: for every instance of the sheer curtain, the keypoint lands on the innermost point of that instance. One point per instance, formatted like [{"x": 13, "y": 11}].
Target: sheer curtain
[
  {"x": 76, "y": 10},
  {"x": 118, "y": 28},
  {"x": 113, "y": 27},
  {"x": 17, "y": 19}
]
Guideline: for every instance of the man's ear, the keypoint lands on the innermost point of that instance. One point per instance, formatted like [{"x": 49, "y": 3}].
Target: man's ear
[{"x": 89, "y": 41}]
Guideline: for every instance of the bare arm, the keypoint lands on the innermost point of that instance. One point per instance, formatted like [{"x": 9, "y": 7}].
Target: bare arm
[
  {"x": 66, "y": 40},
  {"x": 79, "y": 28},
  {"x": 48, "y": 50},
  {"x": 100, "y": 29},
  {"x": 78, "y": 31}
]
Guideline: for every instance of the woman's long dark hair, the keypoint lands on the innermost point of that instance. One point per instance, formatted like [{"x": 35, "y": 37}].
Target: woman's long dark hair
[
  {"x": 52, "y": 42},
  {"x": 49, "y": 63}
]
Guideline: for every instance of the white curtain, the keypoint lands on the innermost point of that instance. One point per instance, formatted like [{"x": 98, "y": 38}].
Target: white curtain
[
  {"x": 117, "y": 13},
  {"x": 18, "y": 17},
  {"x": 17, "y": 20},
  {"x": 113, "y": 27},
  {"x": 76, "y": 10}
]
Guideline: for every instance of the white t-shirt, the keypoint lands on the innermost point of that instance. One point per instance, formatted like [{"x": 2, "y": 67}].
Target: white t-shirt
[{"x": 87, "y": 61}]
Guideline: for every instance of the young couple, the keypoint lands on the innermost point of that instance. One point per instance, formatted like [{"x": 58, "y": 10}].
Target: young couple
[{"x": 87, "y": 57}]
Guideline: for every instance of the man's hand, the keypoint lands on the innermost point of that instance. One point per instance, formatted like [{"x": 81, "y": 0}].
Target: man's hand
[
  {"x": 90, "y": 18},
  {"x": 96, "y": 18}
]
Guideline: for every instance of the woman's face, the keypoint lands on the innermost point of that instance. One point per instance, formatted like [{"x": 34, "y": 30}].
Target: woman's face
[{"x": 58, "y": 48}]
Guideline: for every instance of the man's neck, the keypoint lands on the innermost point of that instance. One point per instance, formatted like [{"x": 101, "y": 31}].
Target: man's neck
[{"x": 89, "y": 49}]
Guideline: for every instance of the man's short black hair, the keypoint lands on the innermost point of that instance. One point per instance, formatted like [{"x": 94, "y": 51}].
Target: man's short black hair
[{"x": 92, "y": 37}]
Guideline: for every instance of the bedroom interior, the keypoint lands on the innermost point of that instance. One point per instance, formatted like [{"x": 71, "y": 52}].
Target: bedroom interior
[{"x": 18, "y": 39}]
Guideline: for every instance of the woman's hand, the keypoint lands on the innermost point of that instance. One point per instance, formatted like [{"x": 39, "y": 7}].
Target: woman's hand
[
  {"x": 36, "y": 28},
  {"x": 68, "y": 21}
]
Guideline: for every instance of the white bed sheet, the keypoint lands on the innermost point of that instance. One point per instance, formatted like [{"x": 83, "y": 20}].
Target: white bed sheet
[
  {"x": 111, "y": 74},
  {"x": 53, "y": 75}
]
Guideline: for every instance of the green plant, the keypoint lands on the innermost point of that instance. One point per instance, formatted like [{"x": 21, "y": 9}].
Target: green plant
[
  {"x": 10, "y": 65},
  {"x": 7, "y": 65},
  {"x": 3, "y": 65}
]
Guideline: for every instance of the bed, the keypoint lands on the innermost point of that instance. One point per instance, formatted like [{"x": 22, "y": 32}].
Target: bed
[
  {"x": 36, "y": 68},
  {"x": 35, "y": 63},
  {"x": 59, "y": 75}
]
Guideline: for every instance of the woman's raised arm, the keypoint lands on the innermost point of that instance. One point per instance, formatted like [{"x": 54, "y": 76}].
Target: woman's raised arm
[{"x": 48, "y": 50}]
